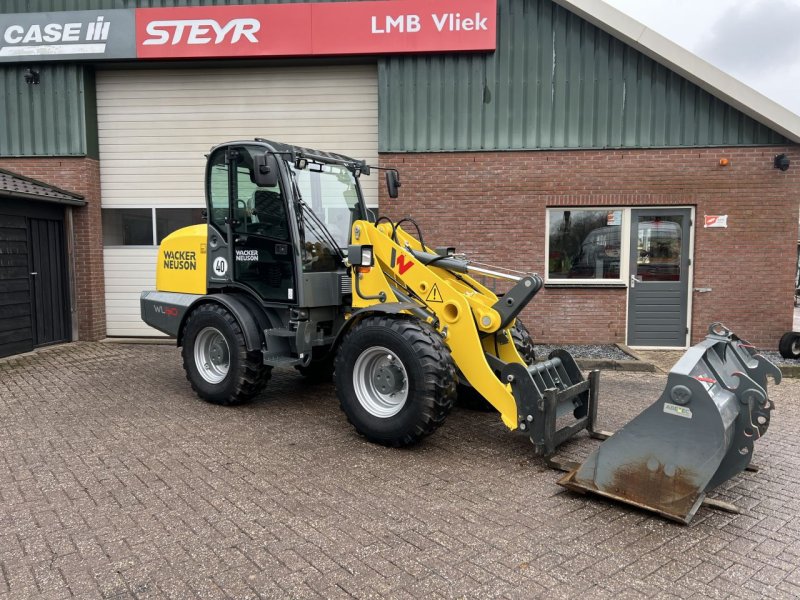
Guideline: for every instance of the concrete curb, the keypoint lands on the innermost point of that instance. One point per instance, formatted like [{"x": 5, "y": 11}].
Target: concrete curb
[
  {"x": 165, "y": 341},
  {"x": 616, "y": 365},
  {"x": 790, "y": 371}
]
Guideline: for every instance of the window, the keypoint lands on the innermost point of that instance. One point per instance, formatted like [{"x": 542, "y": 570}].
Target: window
[
  {"x": 172, "y": 219},
  {"x": 584, "y": 244},
  {"x": 127, "y": 227},
  {"x": 145, "y": 226},
  {"x": 330, "y": 192}
]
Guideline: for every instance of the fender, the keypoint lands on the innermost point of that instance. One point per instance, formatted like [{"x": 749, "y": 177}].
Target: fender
[
  {"x": 391, "y": 308},
  {"x": 250, "y": 317}
]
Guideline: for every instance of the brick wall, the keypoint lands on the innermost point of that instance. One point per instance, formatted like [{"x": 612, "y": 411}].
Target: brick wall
[
  {"x": 82, "y": 176},
  {"x": 492, "y": 206}
]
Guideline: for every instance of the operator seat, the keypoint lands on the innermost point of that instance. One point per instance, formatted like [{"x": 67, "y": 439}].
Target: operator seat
[{"x": 269, "y": 211}]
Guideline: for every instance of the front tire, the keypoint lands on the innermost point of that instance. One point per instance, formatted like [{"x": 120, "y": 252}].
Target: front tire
[
  {"x": 395, "y": 379},
  {"x": 789, "y": 345},
  {"x": 218, "y": 365}
]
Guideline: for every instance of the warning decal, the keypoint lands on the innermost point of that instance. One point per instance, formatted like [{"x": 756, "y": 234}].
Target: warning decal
[{"x": 434, "y": 295}]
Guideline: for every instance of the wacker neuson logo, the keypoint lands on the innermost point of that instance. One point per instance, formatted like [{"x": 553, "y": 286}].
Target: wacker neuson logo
[{"x": 65, "y": 35}]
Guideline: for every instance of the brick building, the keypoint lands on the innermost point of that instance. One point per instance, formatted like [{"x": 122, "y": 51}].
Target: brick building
[{"x": 556, "y": 136}]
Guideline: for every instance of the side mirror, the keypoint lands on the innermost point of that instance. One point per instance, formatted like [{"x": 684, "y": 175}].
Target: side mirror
[
  {"x": 265, "y": 172},
  {"x": 392, "y": 182}
]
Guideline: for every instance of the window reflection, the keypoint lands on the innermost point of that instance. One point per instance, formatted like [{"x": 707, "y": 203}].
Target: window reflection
[{"x": 585, "y": 244}]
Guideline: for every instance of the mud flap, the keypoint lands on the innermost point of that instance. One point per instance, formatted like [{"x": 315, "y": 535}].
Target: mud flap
[{"x": 698, "y": 434}]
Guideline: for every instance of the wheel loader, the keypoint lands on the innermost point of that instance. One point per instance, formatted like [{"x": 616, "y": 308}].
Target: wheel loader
[{"x": 292, "y": 269}]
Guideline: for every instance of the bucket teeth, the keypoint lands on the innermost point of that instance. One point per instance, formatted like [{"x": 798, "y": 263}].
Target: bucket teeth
[{"x": 697, "y": 435}]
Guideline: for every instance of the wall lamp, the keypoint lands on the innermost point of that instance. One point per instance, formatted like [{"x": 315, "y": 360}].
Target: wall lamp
[
  {"x": 31, "y": 76},
  {"x": 781, "y": 162}
]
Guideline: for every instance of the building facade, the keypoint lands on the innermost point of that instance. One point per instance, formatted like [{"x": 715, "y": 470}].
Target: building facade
[{"x": 551, "y": 136}]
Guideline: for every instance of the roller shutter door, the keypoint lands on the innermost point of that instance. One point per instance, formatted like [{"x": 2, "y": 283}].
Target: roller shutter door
[{"x": 155, "y": 126}]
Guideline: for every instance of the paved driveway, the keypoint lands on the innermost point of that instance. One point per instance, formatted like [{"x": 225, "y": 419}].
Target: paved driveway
[{"x": 116, "y": 482}]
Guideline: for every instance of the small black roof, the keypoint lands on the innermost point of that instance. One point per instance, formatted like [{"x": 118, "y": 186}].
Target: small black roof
[
  {"x": 17, "y": 187},
  {"x": 298, "y": 151}
]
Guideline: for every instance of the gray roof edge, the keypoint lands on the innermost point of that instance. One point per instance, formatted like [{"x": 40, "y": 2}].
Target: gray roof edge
[
  {"x": 48, "y": 199},
  {"x": 75, "y": 197},
  {"x": 689, "y": 65}
]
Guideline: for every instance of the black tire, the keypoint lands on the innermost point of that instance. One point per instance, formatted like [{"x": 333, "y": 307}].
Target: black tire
[
  {"x": 789, "y": 346},
  {"x": 423, "y": 371},
  {"x": 245, "y": 374},
  {"x": 470, "y": 399},
  {"x": 523, "y": 342}
]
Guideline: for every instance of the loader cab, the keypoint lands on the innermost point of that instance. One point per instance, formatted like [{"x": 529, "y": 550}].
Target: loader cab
[{"x": 274, "y": 217}]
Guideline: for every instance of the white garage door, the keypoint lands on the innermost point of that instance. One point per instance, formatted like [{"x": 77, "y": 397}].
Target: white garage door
[{"x": 155, "y": 127}]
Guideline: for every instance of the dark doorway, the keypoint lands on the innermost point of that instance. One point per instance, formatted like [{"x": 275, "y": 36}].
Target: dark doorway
[
  {"x": 49, "y": 282},
  {"x": 34, "y": 288}
]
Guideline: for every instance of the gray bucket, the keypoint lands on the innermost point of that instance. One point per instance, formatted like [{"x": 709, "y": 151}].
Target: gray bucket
[{"x": 698, "y": 434}]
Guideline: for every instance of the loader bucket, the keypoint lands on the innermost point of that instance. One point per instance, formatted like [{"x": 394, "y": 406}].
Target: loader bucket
[{"x": 698, "y": 434}]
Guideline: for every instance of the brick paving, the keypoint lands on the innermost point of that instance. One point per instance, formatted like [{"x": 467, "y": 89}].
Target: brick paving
[{"x": 116, "y": 482}]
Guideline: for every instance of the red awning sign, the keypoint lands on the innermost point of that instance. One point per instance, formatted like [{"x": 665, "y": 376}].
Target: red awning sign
[{"x": 317, "y": 29}]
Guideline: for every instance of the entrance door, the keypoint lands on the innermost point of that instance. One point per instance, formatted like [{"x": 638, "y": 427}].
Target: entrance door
[
  {"x": 49, "y": 283},
  {"x": 659, "y": 277},
  {"x": 16, "y": 316}
]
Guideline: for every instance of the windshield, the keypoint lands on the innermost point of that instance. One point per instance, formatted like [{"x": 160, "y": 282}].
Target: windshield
[{"x": 330, "y": 192}]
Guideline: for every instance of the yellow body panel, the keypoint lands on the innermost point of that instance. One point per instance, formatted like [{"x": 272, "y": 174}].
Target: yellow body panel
[
  {"x": 462, "y": 305},
  {"x": 182, "y": 261}
]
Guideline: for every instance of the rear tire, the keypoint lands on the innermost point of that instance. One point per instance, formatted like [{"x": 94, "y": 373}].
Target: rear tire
[
  {"x": 218, "y": 365},
  {"x": 468, "y": 396},
  {"x": 395, "y": 379},
  {"x": 789, "y": 345}
]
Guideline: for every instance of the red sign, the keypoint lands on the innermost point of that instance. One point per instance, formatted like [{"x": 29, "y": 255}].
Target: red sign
[{"x": 319, "y": 29}]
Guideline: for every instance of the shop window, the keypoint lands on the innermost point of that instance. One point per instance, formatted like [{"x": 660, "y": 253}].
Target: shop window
[
  {"x": 138, "y": 226},
  {"x": 172, "y": 219},
  {"x": 584, "y": 245},
  {"x": 127, "y": 227}
]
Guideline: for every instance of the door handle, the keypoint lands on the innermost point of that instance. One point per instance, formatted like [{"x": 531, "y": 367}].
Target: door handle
[
  {"x": 34, "y": 273},
  {"x": 635, "y": 280}
]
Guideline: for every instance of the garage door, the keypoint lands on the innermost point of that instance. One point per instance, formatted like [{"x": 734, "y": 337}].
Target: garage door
[{"x": 156, "y": 126}]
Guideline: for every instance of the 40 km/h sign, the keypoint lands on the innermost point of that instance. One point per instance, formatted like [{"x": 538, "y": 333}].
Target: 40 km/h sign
[{"x": 307, "y": 29}]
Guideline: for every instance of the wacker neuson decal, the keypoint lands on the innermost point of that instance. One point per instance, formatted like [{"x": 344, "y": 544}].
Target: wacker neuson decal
[
  {"x": 296, "y": 29},
  {"x": 180, "y": 260}
]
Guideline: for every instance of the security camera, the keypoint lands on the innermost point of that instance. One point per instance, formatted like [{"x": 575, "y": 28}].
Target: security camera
[
  {"x": 781, "y": 162},
  {"x": 31, "y": 77}
]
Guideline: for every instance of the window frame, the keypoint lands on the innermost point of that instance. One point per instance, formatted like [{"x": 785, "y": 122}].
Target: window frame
[
  {"x": 153, "y": 221},
  {"x": 624, "y": 250}
]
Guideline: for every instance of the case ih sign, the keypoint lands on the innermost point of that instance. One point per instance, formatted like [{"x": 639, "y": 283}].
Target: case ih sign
[{"x": 280, "y": 30}]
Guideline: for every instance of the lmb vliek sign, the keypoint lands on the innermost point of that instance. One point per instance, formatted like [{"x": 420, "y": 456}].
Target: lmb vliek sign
[{"x": 297, "y": 29}]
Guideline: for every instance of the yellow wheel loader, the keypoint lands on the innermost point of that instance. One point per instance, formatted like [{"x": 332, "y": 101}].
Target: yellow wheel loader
[{"x": 292, "y": 269}]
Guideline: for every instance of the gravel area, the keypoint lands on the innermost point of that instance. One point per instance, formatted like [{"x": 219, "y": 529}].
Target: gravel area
[
  {"x": 777, "y": 358},
  {"x": 600, "y": 351}
]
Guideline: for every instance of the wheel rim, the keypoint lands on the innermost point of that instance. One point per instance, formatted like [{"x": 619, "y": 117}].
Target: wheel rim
[
  {"x": 212, "y": 355},
  {"x": 380, "y": 382},
  {"x": 796, "y": 346}
]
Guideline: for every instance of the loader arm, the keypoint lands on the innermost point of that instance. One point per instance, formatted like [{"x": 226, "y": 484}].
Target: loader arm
[{"x": 462, "y": 309}]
